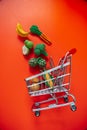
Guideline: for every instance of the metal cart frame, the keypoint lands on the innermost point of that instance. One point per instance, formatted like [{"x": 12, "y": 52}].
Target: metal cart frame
[{"x": 61, "y": 78}]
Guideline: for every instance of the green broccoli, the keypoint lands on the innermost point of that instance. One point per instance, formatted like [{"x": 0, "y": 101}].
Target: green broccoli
[
  {"x": 40, "y": 49},
  {"x": 35, "y": 30}
]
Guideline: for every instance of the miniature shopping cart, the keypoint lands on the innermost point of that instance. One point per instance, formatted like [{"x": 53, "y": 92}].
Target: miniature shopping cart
[{"x": 54, "y": 82}]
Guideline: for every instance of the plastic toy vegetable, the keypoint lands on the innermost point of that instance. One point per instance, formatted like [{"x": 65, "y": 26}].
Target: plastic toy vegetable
[
  {"x": 26, "y": 48},
  {"x": 35, "y": 87},
  {"x": 33, "y": 62},
  {"x": 50, "y": 82},
  {"x": 35, "y": 80},
  {"x": 28, "y": 44},
  {"x": 40, "y": 49},
  {"x": 35, "y": 30},
  {"x": 20, "y": 31},
  {"x": 41, "y": 62}
]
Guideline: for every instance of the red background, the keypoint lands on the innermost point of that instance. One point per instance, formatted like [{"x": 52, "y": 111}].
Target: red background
[{"x": 65, "y": 23}]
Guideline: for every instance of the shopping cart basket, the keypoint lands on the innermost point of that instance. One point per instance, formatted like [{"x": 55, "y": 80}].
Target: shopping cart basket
[{"x": 53, "y": 81}]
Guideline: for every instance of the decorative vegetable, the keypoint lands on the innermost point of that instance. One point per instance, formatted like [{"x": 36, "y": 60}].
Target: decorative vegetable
[
  {"x": 25, "y": 50},
  {"x": 35, "y": 30},
  {"x": 28, "y": 44},
  {"x": 40, "y": 49},
  {"x": 35, "y": 87},
  {"x": 35, "y": 84},
  {"x": 41, "y": 62},
  {"x": 50, "y": 82},
  {"x": 33, "y": 62},
  {"x": 35, "y": 80}
]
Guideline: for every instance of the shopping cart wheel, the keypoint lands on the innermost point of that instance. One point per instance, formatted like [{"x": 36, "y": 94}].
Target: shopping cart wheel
[
  {"x": 73, "y": 107},
  {"x": 66, "y": 99},
  {"x": 37, "y": 113}
]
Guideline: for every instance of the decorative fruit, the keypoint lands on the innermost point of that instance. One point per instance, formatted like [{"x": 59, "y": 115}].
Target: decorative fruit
[
  {"x": 35, "y": 80},
  {"x": 35, "y": 87},
  {"x": 20, "y": 31}
]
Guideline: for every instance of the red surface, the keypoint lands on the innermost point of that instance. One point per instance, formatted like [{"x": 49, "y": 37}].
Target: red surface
[{"x": 65, "y": 23}]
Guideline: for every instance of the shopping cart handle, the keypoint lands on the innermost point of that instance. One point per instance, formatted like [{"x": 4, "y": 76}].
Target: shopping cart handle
[{"x": 72, "y": 51}]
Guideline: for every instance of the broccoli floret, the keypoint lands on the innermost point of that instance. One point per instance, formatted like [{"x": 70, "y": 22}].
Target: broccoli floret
[
  {"x": 37, "y": 52},
  {"x": 35, "y": 30},
  {"x": 40, "y": 49}
]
